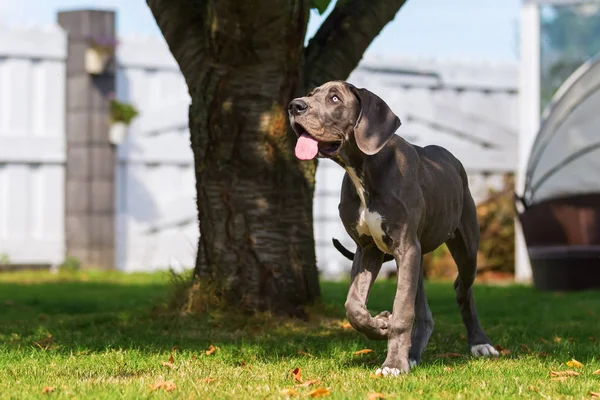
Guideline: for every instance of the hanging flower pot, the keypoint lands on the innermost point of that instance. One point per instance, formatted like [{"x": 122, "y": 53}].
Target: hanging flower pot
[
  {"x": 121, "y": 116},
  {"x": 117, "y": 133},
  {"x": 96, "y": 61},
  {"x": 99, "y": 54}
]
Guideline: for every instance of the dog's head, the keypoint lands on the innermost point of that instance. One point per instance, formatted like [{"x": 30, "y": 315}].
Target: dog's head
[{"x": 336, "y": 115}]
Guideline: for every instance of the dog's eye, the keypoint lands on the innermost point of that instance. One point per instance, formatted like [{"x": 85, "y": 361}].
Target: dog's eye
[{"x": 335, "y": 99}]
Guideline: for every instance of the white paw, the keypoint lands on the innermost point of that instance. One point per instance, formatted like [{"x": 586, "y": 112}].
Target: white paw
[
  {"x": 386, "y": 371},
  {"x": 412, "y": 363},
  {"x": 485, "y": 350}
]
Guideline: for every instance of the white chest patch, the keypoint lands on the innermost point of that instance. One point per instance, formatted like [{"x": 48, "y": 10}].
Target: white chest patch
[{"x": 369, "y": 222}]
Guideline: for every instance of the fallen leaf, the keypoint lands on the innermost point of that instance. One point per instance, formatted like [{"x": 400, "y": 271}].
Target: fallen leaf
[
  {"x": 171, "y": 358},
  {"x": 564, "y": 373},
  {"x": 556, "y": 339},
  {"x": 289, "y": 392},
  {"x": 174, "y": 349},
  {"x": 447, "y": 355},
  {"x": 532, "y": 388},
  {"x": 559, "y": 378},
  {"x": 574, "y": 364},
  {"x": 303, "y": 353},
  {"x": 210, "y": 350},
  {"x": 570, "y": 340},
  {"x": 542, "y": 354},
  {"x": 542, "y": 340},
  {"x": 379, "y": 375},
  {"x": 208, "y": 380},
  {"x": 463, "y": 336},
  {"x": 309, "y": 382},
  {"x": 448, "y": 369},
  {"x": 46, "y": 343},
  {"x": 297, "y": 375},
  {"x": 524, "y": 347},
  {"x": 320, "y": 392},
  {"x": 597, "y": 372},
  {"x": 166, "y": 386},
  {"x": 595, "y": 394},
  {"x": 363, "y": 351},
  {"x": 48, "y": 389},
  {"x": 502, "y": 350},
  {"x": 375, "y": 396},
  {"x": 346, "y": 325}
]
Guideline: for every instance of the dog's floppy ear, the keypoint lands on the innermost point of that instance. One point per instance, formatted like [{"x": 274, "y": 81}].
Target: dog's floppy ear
[{"x": 376, "y": 122}]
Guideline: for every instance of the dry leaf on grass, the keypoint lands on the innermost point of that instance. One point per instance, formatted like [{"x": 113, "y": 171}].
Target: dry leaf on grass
[
  {"x": 48, "y": 389},
  {"x": 448, "y": 355},
  {"x": 346, "y": 325},
  {"x": 556, "y": 339},
  {"x": 375, "y": 396},
  {"x": 297, "y": 375},
  {"x": 289, "y": 392},
  {"x": 170, "y": 362},
  {"x": 542, "y": 340},
  {"x": 320, "y": 392},
  {"x": 448, "y": 369},
  {"x": 211, "y": 349},
  {"x": 309, "y": 382},
  {"x": 574, "y": 364},
  {"x": 502, "y": 350},
  {"x": 596, "y": 372},
  {"x": 303, "y": 353},
  {"x": 526, "y": 348},
  {"x": 559, "y": 378},
  {"x": 564, "y": 373},
  {"x": 363, "y": 351},
  {"x": 379, "y": 375},
  {"x": 46, "y": 343},
  {"x": 595, "y": 394},
  {"x": 166, "y": 386},
  {"x": 208, "y": 380}
]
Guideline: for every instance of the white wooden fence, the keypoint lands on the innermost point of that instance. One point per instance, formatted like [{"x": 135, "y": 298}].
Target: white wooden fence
[
  {"x": 470, "y": 109},
  {"x": 32, "y": 144}
]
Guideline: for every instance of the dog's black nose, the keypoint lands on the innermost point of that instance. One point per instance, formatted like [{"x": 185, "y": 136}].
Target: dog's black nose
[{"x": 297, "y": 107}]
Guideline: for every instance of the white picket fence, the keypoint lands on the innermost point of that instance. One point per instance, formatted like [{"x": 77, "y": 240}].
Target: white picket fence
[{"x": 469, "y": 108}]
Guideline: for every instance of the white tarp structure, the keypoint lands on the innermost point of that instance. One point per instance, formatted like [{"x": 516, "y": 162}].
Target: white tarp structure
[{"x": 565, "y": 157}]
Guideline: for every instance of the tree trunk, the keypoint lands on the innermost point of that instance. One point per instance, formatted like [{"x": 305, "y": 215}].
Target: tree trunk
[
  {"x": 254, "y": 197},
  {"x": 243, "y": 62}
]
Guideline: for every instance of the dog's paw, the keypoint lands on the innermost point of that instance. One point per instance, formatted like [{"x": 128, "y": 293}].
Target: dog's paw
[
  {"x": 412, "y": 363},
  {"x": 484, "y": 350},
  {"x": 387, "y": 371}
]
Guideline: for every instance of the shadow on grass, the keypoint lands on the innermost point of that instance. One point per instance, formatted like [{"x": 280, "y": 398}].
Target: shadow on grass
[{"x": 96, "y": 316}]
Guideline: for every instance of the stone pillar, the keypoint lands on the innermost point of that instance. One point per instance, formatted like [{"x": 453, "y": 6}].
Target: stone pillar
[{"x": 91, "y": 158}]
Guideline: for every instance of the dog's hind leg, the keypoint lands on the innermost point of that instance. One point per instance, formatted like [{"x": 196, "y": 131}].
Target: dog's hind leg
[
  {"x": 463, "y": 247},
  {"x": 423, "y": 324}
]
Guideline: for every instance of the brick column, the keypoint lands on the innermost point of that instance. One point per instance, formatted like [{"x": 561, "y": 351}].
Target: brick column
[{"x": 91, "y": 159}]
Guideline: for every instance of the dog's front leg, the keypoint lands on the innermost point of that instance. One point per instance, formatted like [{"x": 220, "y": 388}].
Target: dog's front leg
[
  {"x": 408, "y": 259},
  {"x": 365, "y": 267}
]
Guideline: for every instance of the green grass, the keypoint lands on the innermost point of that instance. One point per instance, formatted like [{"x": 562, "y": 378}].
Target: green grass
[{"x": 110, "y": 340}]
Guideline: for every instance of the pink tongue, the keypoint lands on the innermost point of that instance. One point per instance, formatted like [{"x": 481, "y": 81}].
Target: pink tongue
[{"x": 307, "y": 147}]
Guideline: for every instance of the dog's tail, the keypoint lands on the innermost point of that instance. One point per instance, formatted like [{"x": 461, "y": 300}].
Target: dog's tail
[{"x": 350, "y": 255}]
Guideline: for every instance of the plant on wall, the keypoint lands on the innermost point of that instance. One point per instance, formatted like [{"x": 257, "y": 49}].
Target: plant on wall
[
  {"x": 121, "y": 115},
  {"x": 122, "y": 112}
]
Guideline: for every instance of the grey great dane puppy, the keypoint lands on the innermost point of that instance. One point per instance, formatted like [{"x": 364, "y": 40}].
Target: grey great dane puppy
[{"x": 398, "y": 200}]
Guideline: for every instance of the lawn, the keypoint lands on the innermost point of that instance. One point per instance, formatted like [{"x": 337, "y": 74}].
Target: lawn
[{"x": 107, "y": 335}]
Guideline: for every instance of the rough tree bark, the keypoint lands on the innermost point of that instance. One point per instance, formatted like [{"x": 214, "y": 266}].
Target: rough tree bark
[{"x": 243, "y": 61}]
